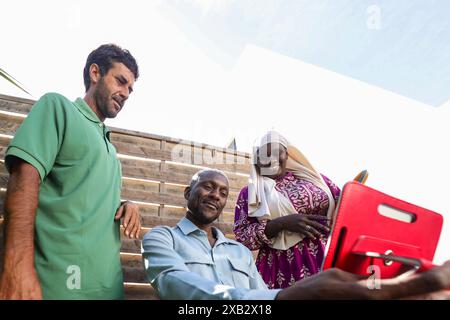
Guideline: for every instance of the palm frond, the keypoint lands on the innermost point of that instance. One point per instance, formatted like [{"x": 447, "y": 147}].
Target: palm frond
[{"x": 11, "y": 79}]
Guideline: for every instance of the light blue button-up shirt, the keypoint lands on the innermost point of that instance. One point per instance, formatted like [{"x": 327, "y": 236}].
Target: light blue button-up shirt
[{"x": 181, "y": 264}]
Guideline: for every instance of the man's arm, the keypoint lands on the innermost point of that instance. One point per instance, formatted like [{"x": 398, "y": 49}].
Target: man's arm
[
  {"x": 19, "y": 279},
  {"x": 338, "y": 284}
]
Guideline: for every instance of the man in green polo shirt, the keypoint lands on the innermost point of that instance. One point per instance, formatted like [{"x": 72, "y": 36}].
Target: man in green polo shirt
[{"x": 63, "y": 207}]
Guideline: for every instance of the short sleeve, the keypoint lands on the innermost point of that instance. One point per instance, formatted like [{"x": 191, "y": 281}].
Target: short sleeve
[{"x": 39, "y": 138}]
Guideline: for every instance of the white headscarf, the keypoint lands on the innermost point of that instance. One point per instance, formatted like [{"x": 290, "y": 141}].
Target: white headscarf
[{"x": 265, "y": 202}]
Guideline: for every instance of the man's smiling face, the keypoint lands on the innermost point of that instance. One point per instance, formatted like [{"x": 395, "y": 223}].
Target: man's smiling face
[{"x": 207, "y": 197}]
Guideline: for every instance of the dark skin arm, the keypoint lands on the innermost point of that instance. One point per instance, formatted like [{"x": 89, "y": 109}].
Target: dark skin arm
[
  {"x": 310, "y": 225},
  {"x": 338, "y": 284},
  {"x": 19, "y": 279}
]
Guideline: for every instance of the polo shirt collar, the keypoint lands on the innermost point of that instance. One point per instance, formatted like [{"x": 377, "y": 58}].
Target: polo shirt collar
[
  {"x": 84, "y": 108},
  {"x": 187, "y": 227}
]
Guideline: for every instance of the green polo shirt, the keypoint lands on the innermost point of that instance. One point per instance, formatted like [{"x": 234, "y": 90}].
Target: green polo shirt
[{"x": 77, "y": 241}]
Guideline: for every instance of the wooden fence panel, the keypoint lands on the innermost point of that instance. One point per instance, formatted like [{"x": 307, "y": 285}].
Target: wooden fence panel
[
  {"x": 9, "y": 123},
  {"x": 14, "y": 104}
]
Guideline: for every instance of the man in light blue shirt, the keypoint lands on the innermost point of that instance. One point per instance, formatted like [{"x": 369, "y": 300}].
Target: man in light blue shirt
[{"x": 195, "y": 261}]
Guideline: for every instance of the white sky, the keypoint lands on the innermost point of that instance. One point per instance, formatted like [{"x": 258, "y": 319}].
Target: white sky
[{"x": 342, "y": 125}]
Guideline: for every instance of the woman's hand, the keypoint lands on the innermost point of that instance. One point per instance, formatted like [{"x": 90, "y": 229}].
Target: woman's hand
[{"x": 307, "y": 225}]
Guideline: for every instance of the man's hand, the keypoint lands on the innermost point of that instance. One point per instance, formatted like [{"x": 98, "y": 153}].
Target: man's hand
[
  {"x": 432, "y": 284},
  {"x": 18, "y": 284},
  {"x": 307, "y": 225},
  {"x": 338, "y": 284},
  {"x": 131, "y": 221}
]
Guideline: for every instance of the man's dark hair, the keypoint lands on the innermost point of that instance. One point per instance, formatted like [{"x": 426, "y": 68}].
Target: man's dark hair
[{"x": 104, "y": 56}]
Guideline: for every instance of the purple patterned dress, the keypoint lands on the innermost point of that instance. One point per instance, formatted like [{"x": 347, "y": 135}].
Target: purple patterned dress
[{"x": 281, "y": 268}]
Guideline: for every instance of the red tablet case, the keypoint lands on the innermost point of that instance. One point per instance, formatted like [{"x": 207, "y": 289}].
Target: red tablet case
[{"x": 360, "y": 228}]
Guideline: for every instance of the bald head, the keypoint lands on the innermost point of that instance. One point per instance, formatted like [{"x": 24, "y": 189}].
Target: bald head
[
  {"x": 206, "y": 196},
  {"x": 206, "y": 172}
]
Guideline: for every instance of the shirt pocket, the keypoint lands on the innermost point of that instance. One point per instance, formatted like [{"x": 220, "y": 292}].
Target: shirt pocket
[
  {"x": 200, "y": 265},
  {"x": 240, "y": 273}
]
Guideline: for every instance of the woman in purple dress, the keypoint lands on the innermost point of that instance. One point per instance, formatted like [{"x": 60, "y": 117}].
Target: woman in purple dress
[{"x": 285, "y": 212}]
